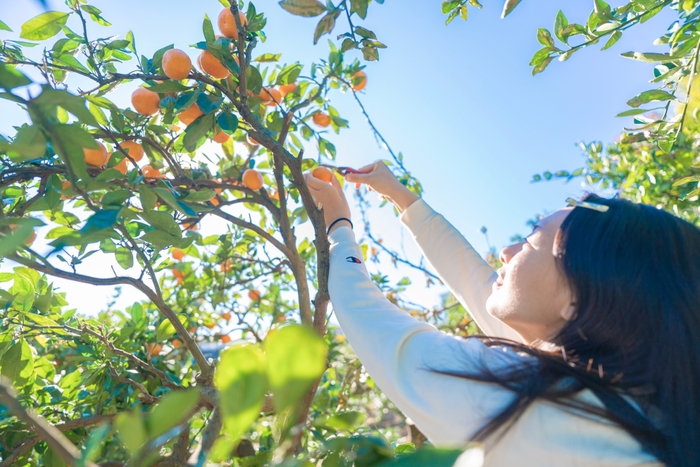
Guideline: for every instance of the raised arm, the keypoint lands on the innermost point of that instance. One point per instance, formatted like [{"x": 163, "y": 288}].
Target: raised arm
[
  {"x": 400, "y": 352},
  {"x": 459, "y": 266}
]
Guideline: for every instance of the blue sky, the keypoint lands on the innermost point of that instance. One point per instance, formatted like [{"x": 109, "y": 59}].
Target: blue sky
[{"x": 459, "y": 101}]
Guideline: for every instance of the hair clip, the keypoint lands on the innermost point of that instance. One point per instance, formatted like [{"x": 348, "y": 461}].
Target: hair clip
[{"x": 586, "y": 204}]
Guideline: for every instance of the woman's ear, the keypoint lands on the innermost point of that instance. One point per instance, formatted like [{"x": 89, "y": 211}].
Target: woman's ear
[{"x": 569, "y": 311}]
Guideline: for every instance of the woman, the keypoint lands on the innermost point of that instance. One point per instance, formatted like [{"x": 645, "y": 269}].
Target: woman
[{"x": 593, "y": 354}]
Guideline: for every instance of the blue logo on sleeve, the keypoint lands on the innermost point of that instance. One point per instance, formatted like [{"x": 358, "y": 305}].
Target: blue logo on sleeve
[{"x": 352, "y": 259}]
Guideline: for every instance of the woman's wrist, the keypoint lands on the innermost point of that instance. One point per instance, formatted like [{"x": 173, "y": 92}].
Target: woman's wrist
[
  {"x": 343, "y": 221},
  {"x": 403, "y": 199}
]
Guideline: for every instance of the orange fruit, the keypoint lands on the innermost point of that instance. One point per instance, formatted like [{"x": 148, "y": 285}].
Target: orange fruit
[
  {"x": 191, "y": 225},
  {"x": 226, "y": 316},
  {"x": 31, "y": 238},
  {"x": 64, "y": 186},
  {"x": 275, "y": 195},
  {"x": 176, "y": 64},
  {"x": 281, "y": 319},
  {"x": 178, "y": 254},
  {"x": 176, "y": 343},
  {"x": 252, "y": 179},
  {"x": 154, "y": 349},
  {"x": 227, "y": 266},
  {"x": 134, "y": 149},
  {"x": 150, "y": 172},
  {"x": 96, "y": 157},
  {"x": 359, "y": 81},
  {"x": 211, "y": 65},
  {"x": 122, "y": 166},
  {"x": 221, "y": 137},
  {"x": 287, "y": 88},
  {"x": 323, "y": 173},
  {"x": 227, "y": 23},
  {"x": 192, "y": 330},
  {"x": 214, "y": 201},
  {"x": 145, "y": 102},
  {"x": 254, "y": 294},
  {"x": 270, "y": 96},
  {"x": 190, "y": 114},
  {"x": 321, "y": 119},
  {"x": 251, "y": 141},
  {"x": 209, "y": 325},
  {"x": 225, "y": 339}
]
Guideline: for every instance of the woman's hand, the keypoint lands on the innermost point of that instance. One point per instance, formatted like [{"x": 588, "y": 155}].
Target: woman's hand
[
  {"x": 379, "y": 178},
  {"x": 331, "y": 198}
]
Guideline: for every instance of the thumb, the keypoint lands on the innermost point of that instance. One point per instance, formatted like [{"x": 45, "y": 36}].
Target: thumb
[{"x": 358, "y": 178}]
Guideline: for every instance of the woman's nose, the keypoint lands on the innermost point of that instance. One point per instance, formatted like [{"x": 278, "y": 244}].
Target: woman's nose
[{"x": 508, "y": 252}]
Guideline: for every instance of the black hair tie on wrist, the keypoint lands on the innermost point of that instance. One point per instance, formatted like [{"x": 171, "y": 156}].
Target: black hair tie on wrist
[{"x": 336, "y": 221}]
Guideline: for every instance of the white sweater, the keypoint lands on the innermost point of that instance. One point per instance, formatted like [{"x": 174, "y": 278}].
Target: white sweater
[{"x": 398, "y": 352}]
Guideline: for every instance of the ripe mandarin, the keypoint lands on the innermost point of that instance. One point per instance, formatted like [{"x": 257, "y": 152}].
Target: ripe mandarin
[
  {"x": 211, "y": 65},
  {"x": 287, "y": 88},
  {"x": 359, "y": 81},
  {"x": 254, "y": 294},
  {"x": 190, "y": 114},
  {"x": 227, "y": 23},
  {"x": 251, "y": 141},
  {"x": 270, "y": 96},
  {"x": 252, "y": 179},
  {"x": 321, "y": 119},
  {"x": 96, "y": 157},
  {"x": 145, "y": 102},
  {"x": 122, "y": 166},
  {"x": 226, "y": 316},
  {"x": 178, "y": 254},
  {"x": 225, "y": 339},
  {"x": 323, "y": 173},
  {"x": 134, "y": 149},
  {"x": 176, "y": 64},
  {"x": 221, "y": 137},
  {"x": 150, "y": 172}
]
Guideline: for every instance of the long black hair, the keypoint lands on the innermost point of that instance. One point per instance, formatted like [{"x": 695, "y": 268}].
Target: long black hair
[{"x": 635, "y": 276}]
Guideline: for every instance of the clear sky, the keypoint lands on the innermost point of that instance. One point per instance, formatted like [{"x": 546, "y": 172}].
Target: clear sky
[{"x": 459, "y": 101}]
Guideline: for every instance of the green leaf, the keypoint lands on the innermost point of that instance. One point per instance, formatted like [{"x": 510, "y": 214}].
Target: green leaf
[
  {"x": 433, "y": 458},
  {"x": 196, "y": 130},
  {"x": 227, "y": 121},
  {"x": 4, "y": 27},
  {"x": 73, "y": 104},
  {"x": 649, "y": 96},
  {"x": 632, "y": 112},
  {"x": 544, "y": 37},
  {"x": 359, "y": 7},
  {"x": 240, "y": 379},
  {"x": 296, "y": 357},
  {"x": 614, "y": 37},
  {"x": 23, "y": 290},
  {"x": 308, "y": 8},
  {"x": 326, "y": 25},
  {"x": 289, "y": 74},
  {"x": 171, "y": 411},
  {"x": 603, "y": 10},
  {"x": 162, "y": 220},
  {"x": 371, "y": 54},
  {"x": 69, "y": 142},
  {"x": 17, "y": 363},
  {"x": 268, "y": 57},
  {"x": 254, "y": 80},
  {"x": 648, "y": 57},
  {"x": 508, "y": 7},
  {"x": 200, "y": 196},
  {"x": 44, "y": 26},
  {"x": 124, "y": 257},
  {"x": 10, "y": 78},
  {"x": 131, "y": 429},
  {"x": 165, "y": 330},
  {"x": 101, "y": 220},
  {"x": 208, "y": 29},
  {"x": 29, "y": 143},
  {"x": 560, "y": 23},
  {"x": 343, "y": 421}
]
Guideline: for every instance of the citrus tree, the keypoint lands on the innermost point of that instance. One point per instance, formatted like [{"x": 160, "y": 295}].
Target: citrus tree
[{"x": 127, "y": 181}]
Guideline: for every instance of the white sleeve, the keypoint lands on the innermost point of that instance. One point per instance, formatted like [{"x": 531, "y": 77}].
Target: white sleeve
[
  {"x": 456, "y": 262},
  {"x": 400, "y": 352}
]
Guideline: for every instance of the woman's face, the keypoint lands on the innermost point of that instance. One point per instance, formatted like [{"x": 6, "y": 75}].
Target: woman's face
[{"x": 531, "y": 294}]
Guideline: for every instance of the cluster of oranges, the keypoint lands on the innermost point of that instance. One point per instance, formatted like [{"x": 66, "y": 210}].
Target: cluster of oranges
[{"x": 100, "y": 157}]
